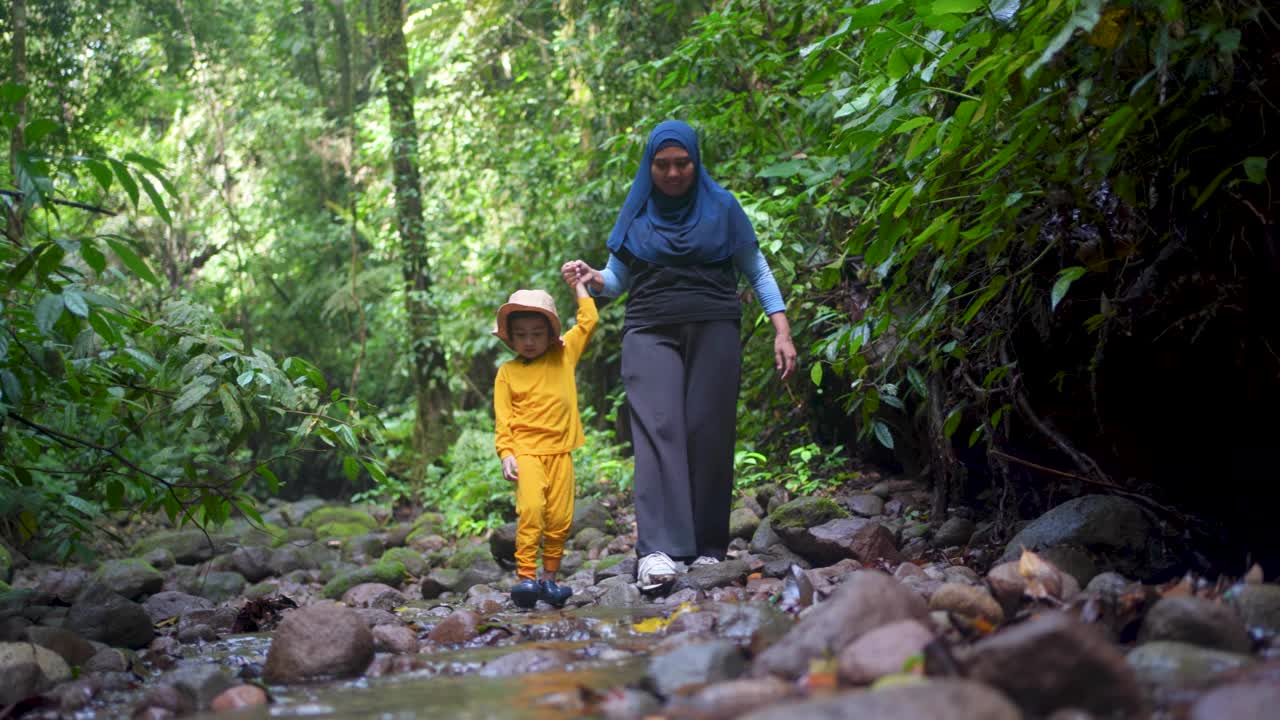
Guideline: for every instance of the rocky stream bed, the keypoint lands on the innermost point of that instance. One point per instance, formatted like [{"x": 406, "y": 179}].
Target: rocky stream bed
[{"x": 844, "y": 607}]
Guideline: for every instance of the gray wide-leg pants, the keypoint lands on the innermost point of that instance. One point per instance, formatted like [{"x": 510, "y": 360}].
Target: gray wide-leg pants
[{"x": 682, "y": 388}]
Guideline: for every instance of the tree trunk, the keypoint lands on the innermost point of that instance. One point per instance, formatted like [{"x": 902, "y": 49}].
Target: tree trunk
[
  {"x": 18, "y": 17},
  {"x": 428, "y": 360}
]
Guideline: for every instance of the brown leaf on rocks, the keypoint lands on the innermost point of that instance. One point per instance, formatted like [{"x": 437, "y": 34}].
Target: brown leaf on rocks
[
  {"x": 1044, "y": 579},
  {"x": 262, "y": 614}
]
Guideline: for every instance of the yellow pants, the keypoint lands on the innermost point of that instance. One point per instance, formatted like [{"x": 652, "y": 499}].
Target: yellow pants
[{"x": 544, "y": 504}]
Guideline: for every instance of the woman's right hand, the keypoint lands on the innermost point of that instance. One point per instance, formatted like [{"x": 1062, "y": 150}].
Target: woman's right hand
[{"x": 576, "y": 271}]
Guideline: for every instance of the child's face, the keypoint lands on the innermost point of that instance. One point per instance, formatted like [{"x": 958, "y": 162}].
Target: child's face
[{"x": 530, "y": 337}]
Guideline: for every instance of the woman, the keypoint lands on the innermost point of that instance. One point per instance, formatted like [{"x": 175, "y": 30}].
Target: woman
[{"x": 678, "y": 245}]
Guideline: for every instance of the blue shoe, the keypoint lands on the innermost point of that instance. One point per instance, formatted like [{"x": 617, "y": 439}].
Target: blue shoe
[
  {"x": 525, "y": 594},
  {"x": 554, "y": 595}
]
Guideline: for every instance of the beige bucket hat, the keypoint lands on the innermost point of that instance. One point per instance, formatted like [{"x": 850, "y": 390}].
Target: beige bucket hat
[{"x": 539, "y": 301}]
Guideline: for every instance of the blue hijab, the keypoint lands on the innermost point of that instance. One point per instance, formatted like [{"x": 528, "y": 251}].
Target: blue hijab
[{"x": 705, "y": 226}]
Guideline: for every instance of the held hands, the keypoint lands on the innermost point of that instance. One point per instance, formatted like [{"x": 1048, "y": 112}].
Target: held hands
[
  {"x": 575, "y": 272},
  {"x": 510, "y": 470}
]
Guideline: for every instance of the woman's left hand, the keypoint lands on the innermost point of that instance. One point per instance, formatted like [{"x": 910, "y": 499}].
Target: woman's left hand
[{"x": 784, "y": 355}]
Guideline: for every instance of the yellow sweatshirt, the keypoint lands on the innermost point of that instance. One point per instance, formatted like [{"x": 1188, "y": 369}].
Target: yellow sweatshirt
[{"x": 535, "y": 402}]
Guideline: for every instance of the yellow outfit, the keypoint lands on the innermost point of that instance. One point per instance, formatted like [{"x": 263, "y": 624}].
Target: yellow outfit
[{"x": 535, "y": 408}]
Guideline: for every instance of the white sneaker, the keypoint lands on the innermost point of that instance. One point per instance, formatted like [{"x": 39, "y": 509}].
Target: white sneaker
[
  {"x": 655, "y": 570},
  {"x": 704, "y": 560}
]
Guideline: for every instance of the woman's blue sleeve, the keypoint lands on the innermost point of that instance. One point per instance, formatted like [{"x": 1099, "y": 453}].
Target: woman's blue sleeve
[
  {"x": 617, "y": 278},
  {"x": 750, "y": 262}
]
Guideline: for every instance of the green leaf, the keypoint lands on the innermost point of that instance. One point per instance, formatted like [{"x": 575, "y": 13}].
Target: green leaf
[
  {"x": 74, "y": 302},
  {"x": 992, "y": 289},
  {"x": 1085, "y": 18},
  {"x": 1063, "y": 283},
  {"x": 1255, "y": 168},
  {"x": 350, "y": 468},
  {"x": 899, "y": 65},
  {"x": 11, "y": 387},
  {"x": 231, "y": 408},
  {"x": 815, "y": 373},
  {"x": 1228, "y": 40},
  {"x": 273, "y": 482},
  {"x": 952, "y": 421},
  {"x": 193, "y": 393},
  {"x": 375, "y": 470},
  {"x": 912, "y": 124},
  {"x": 956, "y": 6},
  {"x": 19, "y": 271},
  {"x": 76, "y": 502},
  {"x": 126, "y": 180},
  {"x": 132, "y": 261},
  {"x": 115, "y": 494},
  {"x": 100, "y": 172},
  {"x": 155, "y": 199},
  {"x": 882, "y": 433},
  {"x": 12, "y": 92},
  {"x": 93, "y": 257},
  {"x": 347, "y": 437},
  {"x": 916, "y": 380},
  {"x": 38, "y": 129},
  {"x": 783, "y": 169},
  {"x": 245, "y": 378},
  {"x": 48, "y": 310}
]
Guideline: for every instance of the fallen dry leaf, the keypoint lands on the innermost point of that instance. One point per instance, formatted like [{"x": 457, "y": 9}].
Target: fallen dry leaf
[{"x": 1044, "y": 579}]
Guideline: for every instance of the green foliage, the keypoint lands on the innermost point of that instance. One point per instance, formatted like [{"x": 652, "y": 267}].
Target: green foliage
[
  {"x": 809, "y": 469},
  {"x": 468, "y": 488}
]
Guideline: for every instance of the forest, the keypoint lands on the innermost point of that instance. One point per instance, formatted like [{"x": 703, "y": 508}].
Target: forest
[
  {"x": 252, "y": 256},
  {"x": 253, "y": 249}
]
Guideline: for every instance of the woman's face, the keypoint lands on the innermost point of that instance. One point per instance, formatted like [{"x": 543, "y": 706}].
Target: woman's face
[{"x": 672, "y": 170}]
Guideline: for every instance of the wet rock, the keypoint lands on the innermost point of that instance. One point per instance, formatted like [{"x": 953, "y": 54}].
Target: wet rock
[
  {"x": 502, "y": 544},
  {"x": 320, "y": 640},
  {"x": 216, "y": 585},
  {"x": 867, "y": 600},
  {"x": 955, "y": 531},
  {"x": 883, "y": 651},
  {"x": 764, "y": 537},
  {"x": 63, "y": 584},
  {"x": 240, "y": 696},
  {"x": 199, "y": 680},
  {"x": 961, "y": 574},
  {"x": 459, "y": 627},
  {"x": 591, "y": 514},
  {"x": 1007, "y": 586},
  {"x": 387, "y": 573},
  {"x": 1111, "y": 584},
  {"x": 160, "y": 559},
  {"x": 374, "y": 595},
  {"x": 108, "y": 660},
  {"x": 615, "y": 566},
  {"x": 908, "y": 569},
  {"x": 1197, "y": 621},
  {"x": 695, "y": 622},
  {"x": 171, "y": 603},
  {"x": 779, "y": 560},
  {"x": 191, "y": 634},
  {"x": 1243, "y": 701},
  {"x": 413, "y": 562},
  {"x": 694, "y": 665},
  {"x": 753, "y": 626},
  {"x": 206, "y": 625},
  {"x": 29, "y": 670},
  {"x": 102, "y": 615},
  {"x": 732, "y": 699},
  {"x": 829, "y": 542},
  {"x": 584, "y": 538},
  {"x": 68, "y": 645},
  {"x": 253, "y": 563},
  {"x": 338, "y": 515},
  {"x": 1181, "y": 665},
  {"x": 130, "y": 578},
  {"x": 688, "y": 595},
  {"x": 934, "y": 699},
  {"x": 287, "y": 559},
  {"x": 866, "y": 505},
  {"x": 1053, "y": 661},
  {"x": 373, "y": 617},
  {"x": 526, "y": 661},
  {"x": 966, "y": 600},
  {"x": 1258, "y": 605},
  {"x": 162, "y": 702},
  {"x": 427, "y": 543},
  {"x": 396, "y": 639},
  {"x": 266, "y": 535},
  {"x": 796, "y": 521},
  {"x": 188, "y": 546},
  {"x": 439, "y": 582},
  {"x": 707, "y": 577},
  {"x": 743, "y": 523},
  {"x": 620, "y": 595},
  {"x": 628, "y": 704},
  {"x": 364, "y": 548},
  {"x": 874, "y": 543},
  {"x": 1119, "y": 534}
]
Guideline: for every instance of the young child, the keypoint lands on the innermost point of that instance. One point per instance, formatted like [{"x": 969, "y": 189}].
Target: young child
[{"x": 535, "y": 408}]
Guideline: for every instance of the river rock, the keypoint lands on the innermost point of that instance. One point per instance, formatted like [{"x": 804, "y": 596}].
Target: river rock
[
  {"x": 764, "y": 537},
  {"x": 521, "y": 662},
  {"x": 707, "y": 577},
  {"x": 968, "y": 600},
  {"x": 201, "y": 681},
  {"x": 1197, "y": 621},
  {"x": 253, "y": 562},
  {"x": 743, "y": 523},
  {"x": 459, "y": 627},
  {"x": 1258, "y": 605},
  {"x": 438, "y": 582},
  {"x": 883, "y": 651},
  {"x": 319, "y": 640},
  {"x": 732, "y": 699},
  {"x": 374, "y": 595},
  {"x": 591, "y": 513},
  {"x": 955, "y": 531},
  {"x": 102, "y": 615},
  {"x": 63, "y": 584},
  {"x": 171, "y": 603},
  {"x": 188, "y": 546},
  {"x": 240, "y": 696},
  {"x": 1253, "y": 700},
  {"x": 28, "y": 670},
  {"x": 396, "y": 639},
  {"x": 1182, "y": 665},
  {"x": 1053, "y": 661},
  {"x": 502, "y": 544},
  {"x": 695, "y": 664},
  {"x": 68, "y": 645},
  {"x": 131, "y": 578},
  {"x": 940, "y": 699},
  {"x": 867, "y": 600}
]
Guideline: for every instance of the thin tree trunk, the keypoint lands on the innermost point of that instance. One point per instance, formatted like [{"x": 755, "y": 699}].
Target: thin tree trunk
[
  {"x": 18, "y": 17},
  {"x": 428, "y": 360}
]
